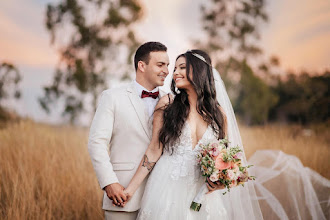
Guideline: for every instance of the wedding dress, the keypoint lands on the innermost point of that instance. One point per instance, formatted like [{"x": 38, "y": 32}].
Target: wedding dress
[{"x": 174, "y": 182}]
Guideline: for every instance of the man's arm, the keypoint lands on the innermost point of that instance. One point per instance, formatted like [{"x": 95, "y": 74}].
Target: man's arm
[
  {"x": 99, "y": 137},
  {"x": 153, "y": 152}
]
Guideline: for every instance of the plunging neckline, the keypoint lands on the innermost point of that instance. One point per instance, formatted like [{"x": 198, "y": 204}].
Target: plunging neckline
[{"x": 198, "y": 142}]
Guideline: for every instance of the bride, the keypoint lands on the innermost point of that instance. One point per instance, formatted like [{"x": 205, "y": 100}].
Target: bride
[{"x": 197, "y": 114}]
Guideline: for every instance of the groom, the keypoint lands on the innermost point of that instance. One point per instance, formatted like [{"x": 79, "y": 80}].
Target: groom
[{"x": 121, "y": 130}]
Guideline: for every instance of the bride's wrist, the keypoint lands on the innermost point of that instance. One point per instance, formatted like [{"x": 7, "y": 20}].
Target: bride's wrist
[{"x": 130, "y": 190}]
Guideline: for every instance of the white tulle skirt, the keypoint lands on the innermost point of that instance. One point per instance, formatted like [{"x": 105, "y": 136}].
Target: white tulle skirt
[
  {"x": 169, "y": 193},
  {"x": 288, "y": 190}
]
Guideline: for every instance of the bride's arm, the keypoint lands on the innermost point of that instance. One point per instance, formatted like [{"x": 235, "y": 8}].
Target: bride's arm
[{"x": 153, "y": 152}]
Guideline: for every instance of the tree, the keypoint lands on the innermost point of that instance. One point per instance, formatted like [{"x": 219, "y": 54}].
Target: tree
[
  {"x": 232, "y": 31},
  {"x": 89, "y": 35},
  {"x": 232, "y": 34},
  {"x": 255, "y": 98},
  {"x": 304, "y": 98},
  {"x": 9, "y": 80}
]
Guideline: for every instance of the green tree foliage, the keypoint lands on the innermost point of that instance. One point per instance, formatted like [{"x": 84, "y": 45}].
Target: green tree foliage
[
  {"x": 303, "y": 98},
  {"x": 9, "y": 80},
  {"x": 255, "y": 98},
  {"x": 93, "y": 37},
  {"x": 232, "y": 32},
  {"x": 232, "y": 27}
]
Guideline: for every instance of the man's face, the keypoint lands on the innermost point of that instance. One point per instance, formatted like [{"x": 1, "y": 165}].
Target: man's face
[{"x": 157, "y": 69}]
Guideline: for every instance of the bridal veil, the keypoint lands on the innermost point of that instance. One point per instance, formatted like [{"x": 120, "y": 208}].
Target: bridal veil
[{"x": 283, "y": 189}]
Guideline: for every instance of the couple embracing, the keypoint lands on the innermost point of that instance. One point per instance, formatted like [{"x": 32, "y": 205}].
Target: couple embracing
[{"x": 137, "y": 130}]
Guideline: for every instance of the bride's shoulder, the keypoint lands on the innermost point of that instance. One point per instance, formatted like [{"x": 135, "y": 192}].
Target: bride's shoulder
[
  {"x": 222, "y": 110},
  {"x": 165, "y": 100}
]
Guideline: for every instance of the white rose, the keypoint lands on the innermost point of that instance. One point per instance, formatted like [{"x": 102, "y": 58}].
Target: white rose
[{"x": 214, "y": 177}]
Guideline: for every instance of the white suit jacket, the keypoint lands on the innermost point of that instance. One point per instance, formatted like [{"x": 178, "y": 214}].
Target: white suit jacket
[{"x": 119, "y": 136}]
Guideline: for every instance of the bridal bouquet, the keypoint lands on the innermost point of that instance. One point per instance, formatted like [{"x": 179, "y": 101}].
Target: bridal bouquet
[{"x": 222, "y": 164}]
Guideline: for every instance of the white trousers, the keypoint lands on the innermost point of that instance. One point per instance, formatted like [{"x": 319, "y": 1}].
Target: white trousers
[{"x": 113, "y": 215}]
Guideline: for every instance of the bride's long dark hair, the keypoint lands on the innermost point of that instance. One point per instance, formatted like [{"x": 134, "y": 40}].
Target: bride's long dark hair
[{"x": 176, "y": 113}]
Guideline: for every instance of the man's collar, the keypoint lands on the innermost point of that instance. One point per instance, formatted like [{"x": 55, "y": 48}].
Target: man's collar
[{"x": 140, "y": 88}]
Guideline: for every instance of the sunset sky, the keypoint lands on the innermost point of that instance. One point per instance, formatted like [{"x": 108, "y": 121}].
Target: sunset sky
[{"x": 298, "y": 32}]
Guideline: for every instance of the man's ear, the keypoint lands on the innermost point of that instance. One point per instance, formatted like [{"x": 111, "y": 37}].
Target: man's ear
[{"x": 141, "y": 66}]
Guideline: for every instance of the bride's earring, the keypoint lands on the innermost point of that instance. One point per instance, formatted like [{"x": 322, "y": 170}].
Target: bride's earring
[{"x": 177, "y": 91}]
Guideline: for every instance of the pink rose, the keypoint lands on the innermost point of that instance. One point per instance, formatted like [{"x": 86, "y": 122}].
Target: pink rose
[
  {"x": 221, "y": 165},
  {"x": 214, "y": 152}
]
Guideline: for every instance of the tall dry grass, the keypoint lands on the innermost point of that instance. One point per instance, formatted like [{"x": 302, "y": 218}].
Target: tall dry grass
[
  {"x": 311, "y": 146},
  {"x": 46, "y": 173}
]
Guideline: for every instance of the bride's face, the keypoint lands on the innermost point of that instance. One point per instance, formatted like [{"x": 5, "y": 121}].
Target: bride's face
[{"x": 180, "y": 74}]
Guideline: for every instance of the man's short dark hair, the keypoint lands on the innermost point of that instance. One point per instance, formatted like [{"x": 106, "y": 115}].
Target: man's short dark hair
[{"x": 143, "y": 52}]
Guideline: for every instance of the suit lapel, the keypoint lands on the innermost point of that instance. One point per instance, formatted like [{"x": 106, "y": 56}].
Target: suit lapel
[{"x": 139, "y": 109}]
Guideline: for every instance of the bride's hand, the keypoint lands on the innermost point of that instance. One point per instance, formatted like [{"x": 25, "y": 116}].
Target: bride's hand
[
  {"x": 212, "y": 186},
  {"x": 128, "y": 194}
]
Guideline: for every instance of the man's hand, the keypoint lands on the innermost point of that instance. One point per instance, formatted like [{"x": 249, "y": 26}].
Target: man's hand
[
  {"x": 115, "y": 192},
  {"x": 212, "y": 186}
]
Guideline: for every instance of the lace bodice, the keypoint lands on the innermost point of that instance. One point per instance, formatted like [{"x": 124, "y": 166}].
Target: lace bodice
[{"x": 184, "y": 154}]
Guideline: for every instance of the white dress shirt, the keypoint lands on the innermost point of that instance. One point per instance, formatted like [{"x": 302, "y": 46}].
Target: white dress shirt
[{"x": 149, "y": 103}]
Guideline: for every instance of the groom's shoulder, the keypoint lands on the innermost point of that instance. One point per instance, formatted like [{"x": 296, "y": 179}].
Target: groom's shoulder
[{"x": 117, "y": 91}]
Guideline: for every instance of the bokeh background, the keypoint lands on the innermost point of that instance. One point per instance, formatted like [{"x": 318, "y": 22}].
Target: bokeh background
[{"x": 56, "y": 56}]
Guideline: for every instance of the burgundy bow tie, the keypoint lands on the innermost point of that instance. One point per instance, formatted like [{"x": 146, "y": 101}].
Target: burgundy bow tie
[{"x": 153, "y": 95}]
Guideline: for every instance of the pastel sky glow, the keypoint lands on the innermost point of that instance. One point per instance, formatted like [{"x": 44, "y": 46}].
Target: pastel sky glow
[{"x": 298, "y": 32}]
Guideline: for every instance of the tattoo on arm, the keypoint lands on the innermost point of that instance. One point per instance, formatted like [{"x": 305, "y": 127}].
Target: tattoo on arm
[{"x": 147, "y": 164}]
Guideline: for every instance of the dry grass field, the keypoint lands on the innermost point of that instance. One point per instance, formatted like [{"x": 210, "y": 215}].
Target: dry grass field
[
  {"x": 311, "y": 146},
  {"x": 46, "y": 173}
]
